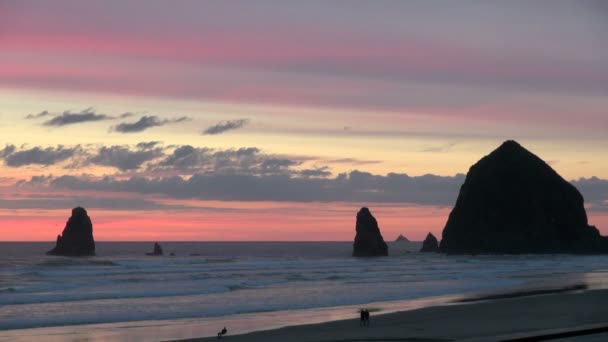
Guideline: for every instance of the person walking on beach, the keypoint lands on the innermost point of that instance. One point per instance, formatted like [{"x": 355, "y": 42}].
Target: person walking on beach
[
  {"x": 365, "y": 315},
  {"x": 222, "y": 333},
  {"x": 362, "y": 314}
]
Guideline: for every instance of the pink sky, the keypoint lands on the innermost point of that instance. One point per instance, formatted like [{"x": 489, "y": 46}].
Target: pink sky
[{"x": 316, "y": 110}]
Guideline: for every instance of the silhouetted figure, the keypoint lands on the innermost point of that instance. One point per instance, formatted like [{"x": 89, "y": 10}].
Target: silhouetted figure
[
  {"x": 222, "y": 333},
  {"x": 364, "y": 315},
  {"x": 158, "y": 250}
]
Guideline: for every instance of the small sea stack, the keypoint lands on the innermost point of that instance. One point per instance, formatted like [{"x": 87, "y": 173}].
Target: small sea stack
[
  {"x": 157, "y": 250},
  {"x": 77, "y": 236},
  {"x": 368, "y": 240},
  {"x": 430, "y": 244},
  {"x": 512, "y": 202},
  {"x": 401, "y": 238}
]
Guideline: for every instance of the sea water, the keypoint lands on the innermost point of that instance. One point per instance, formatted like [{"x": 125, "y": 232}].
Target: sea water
[{"x": 265, "y": 282}]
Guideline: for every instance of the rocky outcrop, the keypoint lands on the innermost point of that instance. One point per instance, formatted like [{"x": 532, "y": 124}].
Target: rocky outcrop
[
  {"x": 430, "y": 244},
  {"x": 77, "y": 236},
  {"x": 401, "y": 238},
  {"x": 158, "y": 250},
  {"x": 513, "y": 202},
  {"x": 368, "y": 241}
]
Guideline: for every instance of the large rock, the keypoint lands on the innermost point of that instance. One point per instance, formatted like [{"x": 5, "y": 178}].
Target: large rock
[
  {"x": 513, "y": 202},
  {"x": 77, "y": 237},
  {"x": 430, "y": 244},
  {"x": 368, "y": 241}
]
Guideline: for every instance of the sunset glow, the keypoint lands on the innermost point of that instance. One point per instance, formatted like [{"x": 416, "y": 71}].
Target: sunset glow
[{"x": 216, "y": 121}]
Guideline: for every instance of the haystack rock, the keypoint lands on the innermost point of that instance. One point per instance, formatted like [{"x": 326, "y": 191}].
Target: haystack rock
[
  {"x": 430, "y": 244},
  {"x": 401, "y": 238},
  {"x": 513, "y": 202},
  {"x": 77, "y": 237},
  {"x": 368, "y": 241}
]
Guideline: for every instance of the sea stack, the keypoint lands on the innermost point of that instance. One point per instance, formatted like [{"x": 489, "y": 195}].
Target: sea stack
[
  {"x": 158, "y": 250},
  {"x": 401, "y": 238},
  {"x": 513, "y": 202},
  {"x": 77, "y": 237},
  {"x": 368, "y": 241},
  {"x": 430, "y": 244}
]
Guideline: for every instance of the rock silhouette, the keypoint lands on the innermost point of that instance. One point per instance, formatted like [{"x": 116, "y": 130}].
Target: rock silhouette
[
  {"x": 77, "y": 236},
  {"x": 368, "y": 240},
  {"x": 513, "y": 202},
  {"x": 158, "y": 250},
  {"x": 430, "y": 244},
  {"x": 401, "y": 238}
]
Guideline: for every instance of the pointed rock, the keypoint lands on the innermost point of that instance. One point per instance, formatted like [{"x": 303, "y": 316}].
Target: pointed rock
[
  {"x": 77, "y": 237},
  {"x": 401, "y": 238},
  {"x": 514, "y": 202},
  {"x": 368, "y": 241},
  {"x": 158, "y": 250},
  {"x": 430, "y": 244}
]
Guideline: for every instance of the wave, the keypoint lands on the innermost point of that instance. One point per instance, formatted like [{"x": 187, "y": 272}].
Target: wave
[{"x": 63, "y": 262}]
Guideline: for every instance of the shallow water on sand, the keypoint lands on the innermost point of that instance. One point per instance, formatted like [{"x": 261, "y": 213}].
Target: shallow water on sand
[{"x": 208, "y": 283}]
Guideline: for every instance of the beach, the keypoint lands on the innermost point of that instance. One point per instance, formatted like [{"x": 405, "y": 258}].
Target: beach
[{"x": 484, "y": 320}]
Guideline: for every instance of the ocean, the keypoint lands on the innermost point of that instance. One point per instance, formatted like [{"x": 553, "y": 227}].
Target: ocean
[{"x": 251, "y": 285}]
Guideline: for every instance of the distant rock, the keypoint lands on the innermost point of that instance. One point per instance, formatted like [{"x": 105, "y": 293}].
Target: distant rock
[
  {"x": 77, "y": 236},
  {"x": 430, "y": 244},
  {"x": 401, "y": 238},
  {"x": 513, "y": 202},
  {"x": 368, "y": 241},
  {"x": 158, "y": 250}
]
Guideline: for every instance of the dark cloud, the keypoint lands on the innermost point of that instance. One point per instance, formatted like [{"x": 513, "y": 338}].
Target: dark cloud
[
  {"x": 355, "y": 186},
  {"x": 39, "y": 115},
  {"x": 316, "y": 172},
  {"x": 37, "y": 155},
  {"x": 122, "y": 158},
  {"x": 595, "y": 191},
  {"x": 146, "y": 122},
  {"x": 69, "y": 118},
  {"x": 246, "y": 160},
  {"x": 126, "y": 115},
  {"x": 310, "y": 185},
  {"x": 225, "y": 126},
  {"x": 147, "y": 145}
]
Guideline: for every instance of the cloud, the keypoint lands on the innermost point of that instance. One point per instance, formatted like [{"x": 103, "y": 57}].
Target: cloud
[
  {"x": 147, "y": 145},
  {"x": 42, "y": 114},
  {"x": 356, "y": 186},
  {"x": 244, "y": 161},
  {"x": 146, "y": 122},
  {"x": 441, "y": 148},
  {"x": 595, "y": 191},
  {"x": 37, "y": 155},
  {"x": 69, "y": 118},
  {"x": 225, "y": 126},
  {"x": 122, "y": 158},
  {"x": 354, "y": 161}
]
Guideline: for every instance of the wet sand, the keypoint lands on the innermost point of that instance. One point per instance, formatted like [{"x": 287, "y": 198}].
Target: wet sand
[{"x": 517, "y": 318}]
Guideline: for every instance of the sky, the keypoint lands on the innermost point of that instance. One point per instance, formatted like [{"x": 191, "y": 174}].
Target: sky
[{"x": 278, "y": 120}]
